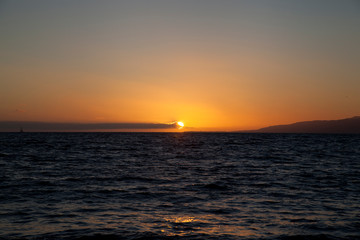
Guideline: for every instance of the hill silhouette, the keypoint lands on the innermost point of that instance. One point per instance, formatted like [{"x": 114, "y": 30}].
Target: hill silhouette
[{"x": 347, "y": 125}]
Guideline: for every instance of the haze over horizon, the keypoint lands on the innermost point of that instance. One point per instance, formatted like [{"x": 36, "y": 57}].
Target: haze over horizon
[{"x": 214, "y": 65}]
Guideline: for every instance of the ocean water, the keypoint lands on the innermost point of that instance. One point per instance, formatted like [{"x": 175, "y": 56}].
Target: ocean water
[{"x": 179, "y": 186}]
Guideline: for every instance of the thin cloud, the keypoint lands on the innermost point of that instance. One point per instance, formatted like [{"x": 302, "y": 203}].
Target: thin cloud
[{"x": 51, "y": 126}]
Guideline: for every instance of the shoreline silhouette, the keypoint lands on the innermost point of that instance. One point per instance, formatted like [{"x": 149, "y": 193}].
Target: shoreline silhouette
[{"x": 346, "y": 125}]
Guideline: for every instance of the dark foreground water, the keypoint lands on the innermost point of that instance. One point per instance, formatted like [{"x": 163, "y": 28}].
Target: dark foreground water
[{"x": 179, "y": 186}]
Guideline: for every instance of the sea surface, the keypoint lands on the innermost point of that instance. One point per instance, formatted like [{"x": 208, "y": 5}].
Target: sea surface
[{"x": 179, "y": 186}]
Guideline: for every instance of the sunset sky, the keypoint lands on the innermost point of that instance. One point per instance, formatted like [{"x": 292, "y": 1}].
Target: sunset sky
[{"x": 214, "y": 65}]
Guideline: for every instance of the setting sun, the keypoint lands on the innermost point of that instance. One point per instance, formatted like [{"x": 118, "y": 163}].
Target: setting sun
[{"x": 180, "y": 124}]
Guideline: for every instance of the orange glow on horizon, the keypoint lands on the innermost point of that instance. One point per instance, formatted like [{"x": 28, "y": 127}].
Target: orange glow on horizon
[{"x": 237, "y": 71}]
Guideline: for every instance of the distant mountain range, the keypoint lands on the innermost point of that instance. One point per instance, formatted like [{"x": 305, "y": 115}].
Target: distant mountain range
[{"x": 347, "y": 125}]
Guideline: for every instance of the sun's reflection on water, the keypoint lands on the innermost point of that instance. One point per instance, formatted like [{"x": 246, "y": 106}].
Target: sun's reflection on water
[
  {"x": 201, "y": 224},
  {"x": 181, "y": 219},
  {"x": 179, "y": 225}
]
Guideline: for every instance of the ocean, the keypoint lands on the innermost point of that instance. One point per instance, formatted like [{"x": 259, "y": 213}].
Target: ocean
[{"x": 179, "y": 186}]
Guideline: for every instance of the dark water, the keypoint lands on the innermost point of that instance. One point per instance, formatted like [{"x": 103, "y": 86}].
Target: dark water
[{"x": 179, "y": 186}]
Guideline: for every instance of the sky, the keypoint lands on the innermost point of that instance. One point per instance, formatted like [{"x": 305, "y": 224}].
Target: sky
[{"x": 214, "y": 65}]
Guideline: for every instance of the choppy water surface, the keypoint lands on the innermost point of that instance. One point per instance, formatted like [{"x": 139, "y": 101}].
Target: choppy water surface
[{"x": 179, "y": 186}]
